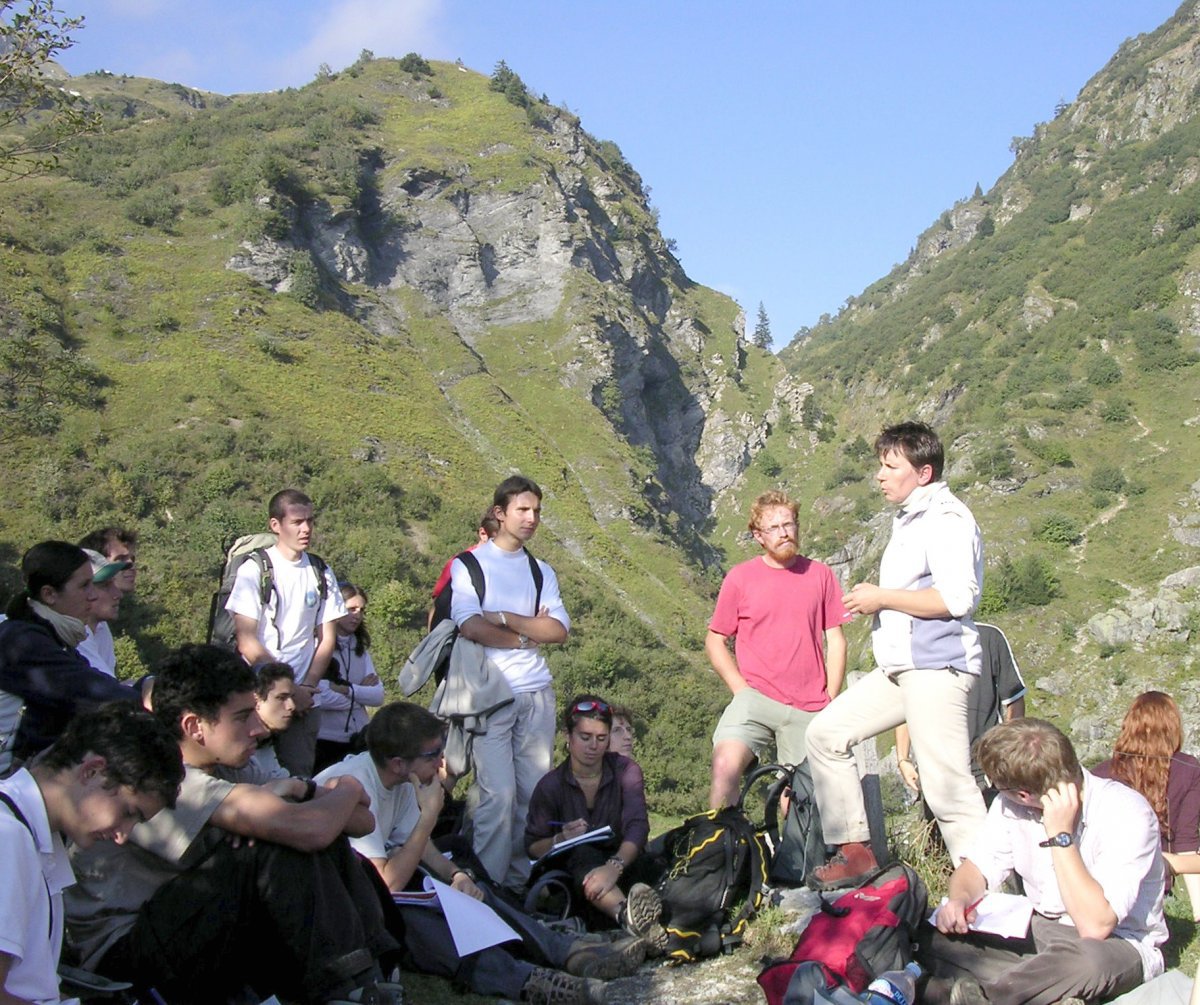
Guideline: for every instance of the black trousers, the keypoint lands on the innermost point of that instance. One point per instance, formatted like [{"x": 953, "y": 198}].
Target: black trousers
[{"x": 302, "y": 924}]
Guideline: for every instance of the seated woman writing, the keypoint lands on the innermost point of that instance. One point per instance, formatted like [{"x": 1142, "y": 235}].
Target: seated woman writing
[
  {"x": 1147, "y": 757},
  {"x": 593, "y": 788}
]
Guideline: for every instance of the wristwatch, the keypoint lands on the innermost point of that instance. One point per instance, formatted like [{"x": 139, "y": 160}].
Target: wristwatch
[{"x": 1063, "y": 840}]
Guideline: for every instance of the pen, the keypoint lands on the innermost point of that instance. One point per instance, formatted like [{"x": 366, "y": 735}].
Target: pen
[{"x": 973, "y": 906}]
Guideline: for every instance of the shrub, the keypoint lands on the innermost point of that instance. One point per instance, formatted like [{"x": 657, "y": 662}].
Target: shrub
[
  {"x": 414, "y": 64},
  {"x": 1103, "y": 371},
  {"x": 156, "y": 207},
  {"x": 306, "y": 279},
  {"x": 1107, "y": 478},
  {"x": 994, "y": 462},
  {"x": 1058, "y": 528},
  {"x": 1116, "y": 411},
  {"x": 844, "y": 476}
]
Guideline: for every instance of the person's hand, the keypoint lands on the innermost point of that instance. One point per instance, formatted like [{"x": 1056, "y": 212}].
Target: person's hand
[
  {"x": 863, "y": 598},
  {"x": 600, "y": 880},
  {"x": 1060, "y": 809},
  {"x": 463, "y": 883},
  {"x": 909, "y": 775},
  {"x": 370, "y": 680},
  {"x": 954, "y": 917},
  {"x": 429, "y": 797},
  {"x": 303, "y": 696},
  {"x": 573, "y": 829}
]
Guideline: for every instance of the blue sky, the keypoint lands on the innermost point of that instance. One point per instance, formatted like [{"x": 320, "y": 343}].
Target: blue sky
[{"x": 794, "y": 149}]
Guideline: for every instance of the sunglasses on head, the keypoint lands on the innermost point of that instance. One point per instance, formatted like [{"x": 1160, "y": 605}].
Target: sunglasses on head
[{"x": 591, "y": 706}]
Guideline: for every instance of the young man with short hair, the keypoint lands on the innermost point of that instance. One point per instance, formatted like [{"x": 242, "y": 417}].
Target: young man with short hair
[
  {"x": 784, "y": 613},
  {"x": 117, "y": 544},
  {"x": 927, "y": 654},
  {"x": 399, "y": 771},
  {"x": 275, "y": 704},
  {"x": 97, "y": 646},
  {"x": 182, "y": 907},
  {"x": 514, "y": 620},
  {"x": 110, "y": 769},
  {"x": 295, "y": 625},
  {"x": 1087, "y": 851}
]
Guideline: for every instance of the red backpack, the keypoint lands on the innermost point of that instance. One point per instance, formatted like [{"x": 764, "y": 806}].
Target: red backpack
[{"x": 864, "y": 933}]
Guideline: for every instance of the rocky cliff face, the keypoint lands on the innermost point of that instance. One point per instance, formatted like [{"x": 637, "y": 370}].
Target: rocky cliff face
[{"x": 575, "y": 251}]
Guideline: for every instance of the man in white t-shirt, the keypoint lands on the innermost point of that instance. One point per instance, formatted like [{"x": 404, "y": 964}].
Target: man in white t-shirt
[
  {"x": 516, "y": 616},
  {"x": 294, "y": 626}
]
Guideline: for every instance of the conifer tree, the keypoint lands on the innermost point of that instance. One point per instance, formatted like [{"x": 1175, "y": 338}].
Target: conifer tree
[{"x": 762, "y": 328}]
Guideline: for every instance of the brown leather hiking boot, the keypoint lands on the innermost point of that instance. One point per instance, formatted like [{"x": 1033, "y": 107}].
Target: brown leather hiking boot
[{"x": 853, "y": 865}]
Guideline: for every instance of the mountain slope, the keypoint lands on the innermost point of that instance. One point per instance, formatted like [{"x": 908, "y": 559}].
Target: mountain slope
[{"x": 1051, "y": 327}]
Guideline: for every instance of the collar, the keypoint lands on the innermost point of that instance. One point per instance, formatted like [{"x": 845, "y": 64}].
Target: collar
[
  {"x": 919, "y": 499},
  {"x": 23, "y": 790}
]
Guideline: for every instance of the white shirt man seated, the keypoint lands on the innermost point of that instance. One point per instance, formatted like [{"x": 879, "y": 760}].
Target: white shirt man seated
[{"x": 1087, "y": 851}]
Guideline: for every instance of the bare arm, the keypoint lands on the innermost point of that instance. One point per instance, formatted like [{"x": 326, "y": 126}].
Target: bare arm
[
  {"x": 252, "y": 651},
  {"x": 716, "y": 648},
  {"x": 908, "y": 770},
  {"x": 326, "y": 642},
  {"x": 5, "y": 997},
  {"x": 967, "y": 885},
  {"x": 254, "y": 811},
  {"x": 1015, "y": 709},
  {"x": 1082, "y": 896},
  {"x": 835, "y": 660}
]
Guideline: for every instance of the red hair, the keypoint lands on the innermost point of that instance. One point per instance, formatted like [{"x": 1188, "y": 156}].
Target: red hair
[{"x": 1150, "y": 735}]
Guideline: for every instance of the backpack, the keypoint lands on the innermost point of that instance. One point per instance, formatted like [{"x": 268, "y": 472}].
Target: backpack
[
  {"x": 251, "y": 548},
  {"x": 864, "y": 933},
  {"x": 713, "y": 861},
  {"x": 799, "y": 842}
]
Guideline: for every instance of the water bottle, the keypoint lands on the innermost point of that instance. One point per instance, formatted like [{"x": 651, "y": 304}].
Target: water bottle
[{"x": 896, "y": 987}]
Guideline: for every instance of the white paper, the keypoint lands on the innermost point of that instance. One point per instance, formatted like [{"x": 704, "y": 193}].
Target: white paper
[
  {"x": 1003, "y": 914},
  {"x": 599, "y": 834},
  {"x": 472, "y": 923}
]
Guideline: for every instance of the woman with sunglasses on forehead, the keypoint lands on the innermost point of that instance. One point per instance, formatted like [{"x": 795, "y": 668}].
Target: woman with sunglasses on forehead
[
  {"x": 590, "y": 789},
  {"x": 350, "y": 685}
]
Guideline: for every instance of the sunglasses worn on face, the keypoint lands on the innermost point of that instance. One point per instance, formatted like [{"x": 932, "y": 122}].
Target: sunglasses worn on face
[{"x": 429, "y": 755}]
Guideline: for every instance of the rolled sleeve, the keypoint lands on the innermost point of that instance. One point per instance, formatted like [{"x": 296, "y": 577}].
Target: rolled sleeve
[{"x": 955, "y": 551}]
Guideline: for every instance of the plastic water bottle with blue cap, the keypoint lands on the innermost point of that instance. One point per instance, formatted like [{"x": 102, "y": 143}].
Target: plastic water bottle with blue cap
[{"x": 896, "y": 987}]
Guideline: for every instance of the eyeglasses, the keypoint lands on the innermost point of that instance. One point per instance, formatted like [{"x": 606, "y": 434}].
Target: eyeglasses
[
  {"x": 592, "y": 706},
  {"x": 779, "y": 528}
]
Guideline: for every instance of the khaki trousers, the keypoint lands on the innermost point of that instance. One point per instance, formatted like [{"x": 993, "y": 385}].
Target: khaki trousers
[{"x": 934, "y": 704}]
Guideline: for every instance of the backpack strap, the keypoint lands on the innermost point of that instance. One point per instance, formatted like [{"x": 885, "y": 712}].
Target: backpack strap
[
  {"x": 4, "y": 798},
  {"x": 471, "y": 563},
  {"x": 535, "y": 571}
]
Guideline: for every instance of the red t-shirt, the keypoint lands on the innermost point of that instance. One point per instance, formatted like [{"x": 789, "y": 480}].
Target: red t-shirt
[
  {"x": 778, "y": 618},
  {"x": 444, "y": 578}
]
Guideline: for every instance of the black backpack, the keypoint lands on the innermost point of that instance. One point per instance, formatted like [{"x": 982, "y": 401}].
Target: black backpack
[
  {"x": 867, "y": 931},
  {"x": 799, "y": 843},
  {"x": 251, "y": 548},
  {"x": 713, "y": 862},
  {"x": 441, "y": 603}
]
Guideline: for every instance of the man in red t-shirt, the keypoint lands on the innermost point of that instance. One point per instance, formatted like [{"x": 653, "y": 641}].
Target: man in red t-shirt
[{"x": 785, "y": 614}]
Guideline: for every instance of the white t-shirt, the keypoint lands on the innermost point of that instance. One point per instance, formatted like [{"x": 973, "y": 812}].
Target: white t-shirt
[
  {"x": 508, "y": 586},
  {"x": 396, "y": 811},
  {"x": 288, "y": 622},
  {"x": 31, "y": 908},
  {"x": 98, "y": 649}
]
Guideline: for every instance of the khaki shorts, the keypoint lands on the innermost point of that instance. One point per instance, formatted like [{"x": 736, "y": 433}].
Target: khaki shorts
[{"x": 758, "y": 722}]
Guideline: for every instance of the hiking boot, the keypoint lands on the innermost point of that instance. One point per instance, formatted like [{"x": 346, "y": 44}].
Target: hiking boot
[
  {"x": 853, "y": 865},
  {"x": 606, "y": 960},
  {"x": 967, "y": 991},
  {"x": 555, "y": 987},
  {"x": 641, "y": 915}
]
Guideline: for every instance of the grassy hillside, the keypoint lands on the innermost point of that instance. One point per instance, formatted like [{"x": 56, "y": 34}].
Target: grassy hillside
[
  {"x": 1048, "y": 328},
  {"x": 151, "y": 386}
]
